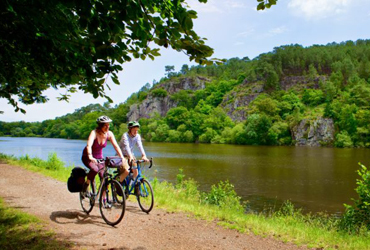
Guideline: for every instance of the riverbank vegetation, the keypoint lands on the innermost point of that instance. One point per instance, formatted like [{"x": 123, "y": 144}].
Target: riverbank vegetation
[
  {"x": 254, "y": 102},
  {"x": 19, "y": 230},
  {"x": 222, "y": 205}
]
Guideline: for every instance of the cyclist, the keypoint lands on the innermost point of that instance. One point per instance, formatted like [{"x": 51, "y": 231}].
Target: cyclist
[
  {"x": 94, "y": 151},
  {"x": 127, "y": 143}
]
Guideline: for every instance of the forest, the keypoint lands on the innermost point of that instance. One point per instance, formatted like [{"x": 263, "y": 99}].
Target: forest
[{"x": 333, "y": 82}]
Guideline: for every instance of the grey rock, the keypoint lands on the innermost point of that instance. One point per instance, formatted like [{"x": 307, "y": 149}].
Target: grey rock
[
  {"x": 289, "y": 82},
  {"x": 161, "y": 105},
  {"x": 236, "y": 101},
  {"x": 317, "y": 132}
]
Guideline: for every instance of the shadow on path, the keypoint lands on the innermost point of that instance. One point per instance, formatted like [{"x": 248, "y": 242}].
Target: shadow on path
[{"x": 77, "y": 217}]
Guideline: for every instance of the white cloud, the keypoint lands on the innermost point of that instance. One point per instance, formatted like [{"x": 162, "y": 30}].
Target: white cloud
[
  {"x": 246, "y": 33},
  {"x": 278, "y": 30},
  {"x": 318, "y": 9},
  {"x": 236, "y": 4}
]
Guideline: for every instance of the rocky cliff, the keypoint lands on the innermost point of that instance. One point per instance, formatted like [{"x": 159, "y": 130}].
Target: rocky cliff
[
  {"x": 162, "y": 105},
  {"x": 236, "y": 101},
  {"x": 317, "y": 132}
]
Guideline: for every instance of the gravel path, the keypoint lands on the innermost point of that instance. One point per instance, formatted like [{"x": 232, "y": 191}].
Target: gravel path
[{"x": 50, "y": 200}]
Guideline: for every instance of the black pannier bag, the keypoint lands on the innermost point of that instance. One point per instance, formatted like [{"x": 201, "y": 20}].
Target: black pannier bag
[{"x": 76, "y": 180}]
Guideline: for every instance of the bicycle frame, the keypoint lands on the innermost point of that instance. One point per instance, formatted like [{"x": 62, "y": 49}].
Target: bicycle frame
[
  {"x": 106, "y": 175},
  {"x": 139, "y": 177}
]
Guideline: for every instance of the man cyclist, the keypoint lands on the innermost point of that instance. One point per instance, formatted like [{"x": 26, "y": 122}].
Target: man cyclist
[{"x": 127, "y": 143}]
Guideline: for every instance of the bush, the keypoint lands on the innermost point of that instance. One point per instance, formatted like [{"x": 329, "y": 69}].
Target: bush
[
  {"x": 224, "y": 195},
  {"x": 343, "y": 140},
  {"x": 187, "y": 188},
  {"x": 188, "y": 136},
  {"x": 357, "y": 217},
  {"x": 53, "y": 162},
  {"x": 173, "y": 136},
  {"x": 160, "y": 92},
  {"x": 207, "y": 136},
  {"x": 313, "y": 97}
]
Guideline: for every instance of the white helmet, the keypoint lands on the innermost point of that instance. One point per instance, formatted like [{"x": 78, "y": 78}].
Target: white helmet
[{"x": 103, "y": 119}]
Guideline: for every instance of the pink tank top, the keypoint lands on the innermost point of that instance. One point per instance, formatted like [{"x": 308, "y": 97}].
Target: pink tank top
[{"x": 97, "y": 149}]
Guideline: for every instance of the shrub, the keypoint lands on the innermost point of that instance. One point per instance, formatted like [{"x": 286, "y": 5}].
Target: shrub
[
  {"x": 160, "y": 92},
  {"x": 313, "y": 97},
  {"x": 173, "y": 136},
  {"x": 224, "y": 195},
  {"x": 53, "y": 162},
  {"x": 343, "y": 140},
  {"x": 357, "y": 216},
  {"x": 188, "y": 136},
  {"x": 207, "y": 136}
]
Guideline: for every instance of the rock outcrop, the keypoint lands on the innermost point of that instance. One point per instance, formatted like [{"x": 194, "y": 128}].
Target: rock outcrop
[
  {"x": 236, "y": 101},
  {"x": 289, "y": 82},
  {"x": 162, "y": 105},
  {"x": 317, "y": 132}
]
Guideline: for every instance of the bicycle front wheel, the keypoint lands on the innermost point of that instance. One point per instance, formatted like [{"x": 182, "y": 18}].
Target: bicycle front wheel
[
  {"x": 145, "y": 196},
  {"x": 112, "y": 202},
  {"x": 87, "y": 199}
]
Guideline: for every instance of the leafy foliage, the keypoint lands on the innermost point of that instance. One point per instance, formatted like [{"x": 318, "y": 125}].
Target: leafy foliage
[
  {"x": 91, "y": 40},
  {"x": 319, "y": 81},
  {"x": 357, "y": 216}
]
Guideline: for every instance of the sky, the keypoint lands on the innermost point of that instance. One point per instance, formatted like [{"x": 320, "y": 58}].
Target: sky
[{"x": 233, "y": 28}]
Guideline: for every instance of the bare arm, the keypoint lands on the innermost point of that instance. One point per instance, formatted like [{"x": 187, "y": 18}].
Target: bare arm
[{"x": 90, "y": 142}]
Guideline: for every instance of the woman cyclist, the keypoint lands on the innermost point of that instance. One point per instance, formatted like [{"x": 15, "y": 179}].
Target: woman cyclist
[{"x": 94, "y": 150}]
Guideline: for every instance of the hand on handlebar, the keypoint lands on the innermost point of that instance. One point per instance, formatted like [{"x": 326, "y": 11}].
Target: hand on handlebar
[{"x": 145, "y": 159}]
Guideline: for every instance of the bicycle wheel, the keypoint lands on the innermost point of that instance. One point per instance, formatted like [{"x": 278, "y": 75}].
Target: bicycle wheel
[
  {"x": 87, "y": 199},
  {"x": 112, "y": 204},
  {"x": 145, "y": 196}
]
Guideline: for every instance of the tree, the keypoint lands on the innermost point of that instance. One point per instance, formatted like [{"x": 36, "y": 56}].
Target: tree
[
  {"x": 169, "y": 70},
  {"x": 78, "y": 44},
  {"x": 89, "y": 42}
]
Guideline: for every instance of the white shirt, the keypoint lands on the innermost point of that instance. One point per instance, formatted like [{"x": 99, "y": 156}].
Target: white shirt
[{"x": 128, "y": 142}]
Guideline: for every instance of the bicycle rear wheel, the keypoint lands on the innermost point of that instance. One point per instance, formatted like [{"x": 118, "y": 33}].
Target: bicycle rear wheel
[
  {"x": 87, "y": 199},
  {"x": 145, "y": 196},
  {"x": 112, "y": 202}
]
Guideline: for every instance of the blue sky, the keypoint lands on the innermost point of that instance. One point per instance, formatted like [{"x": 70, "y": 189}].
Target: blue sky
[{"x": 234, "y": 28}]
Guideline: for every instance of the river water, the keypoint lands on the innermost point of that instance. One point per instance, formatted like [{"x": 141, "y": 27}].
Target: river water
[{"x": 315, "y": 179}]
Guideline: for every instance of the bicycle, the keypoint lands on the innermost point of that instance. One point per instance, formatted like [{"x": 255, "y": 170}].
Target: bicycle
[
  {"x": 112, "y": 200},
  {"x": 140, "y": 187}
]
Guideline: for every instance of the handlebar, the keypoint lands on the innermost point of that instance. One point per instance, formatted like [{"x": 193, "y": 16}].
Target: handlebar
[
  {"x": 130, "y": 164},
  {"x": 141, "y": 161}
]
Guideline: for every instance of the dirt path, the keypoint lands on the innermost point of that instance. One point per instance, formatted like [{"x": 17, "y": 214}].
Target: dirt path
[{"x": 50, "y": 200}]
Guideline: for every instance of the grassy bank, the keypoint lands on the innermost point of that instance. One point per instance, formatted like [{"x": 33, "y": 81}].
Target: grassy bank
[
  {"x": 19, "y": 230},
  {"x": 223, "y": 205}
]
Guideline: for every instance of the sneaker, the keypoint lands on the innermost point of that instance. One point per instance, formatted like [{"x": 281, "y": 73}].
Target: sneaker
[{"x": 106, "y": 204}]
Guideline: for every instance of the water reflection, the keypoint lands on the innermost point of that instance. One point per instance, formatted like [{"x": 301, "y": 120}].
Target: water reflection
[{"x": 316, "y": 179}]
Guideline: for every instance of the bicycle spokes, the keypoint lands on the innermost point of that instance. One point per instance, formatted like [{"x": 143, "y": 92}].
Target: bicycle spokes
[{"x": 112, "y": 202}]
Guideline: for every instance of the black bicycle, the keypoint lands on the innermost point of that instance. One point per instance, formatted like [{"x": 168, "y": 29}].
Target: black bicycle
[
  {"x": 112, "y": 200},
  {"x": 140, "y": 187}
]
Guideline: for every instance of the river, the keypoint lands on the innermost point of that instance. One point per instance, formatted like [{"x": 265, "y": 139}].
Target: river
[{"x": 315, "y": 179}]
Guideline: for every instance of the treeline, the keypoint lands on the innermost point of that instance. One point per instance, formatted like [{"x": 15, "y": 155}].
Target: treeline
[{"x": 333, "y": 82}]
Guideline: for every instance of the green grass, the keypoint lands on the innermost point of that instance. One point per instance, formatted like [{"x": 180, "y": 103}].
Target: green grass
[
  {"x": 19, "y": 230},
  {"x": 288, "y": 224},
  {"x": 222, "y": 205}
]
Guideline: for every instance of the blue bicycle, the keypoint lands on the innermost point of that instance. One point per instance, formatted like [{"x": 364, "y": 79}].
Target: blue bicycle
[{"x": 140, "y": 187}]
